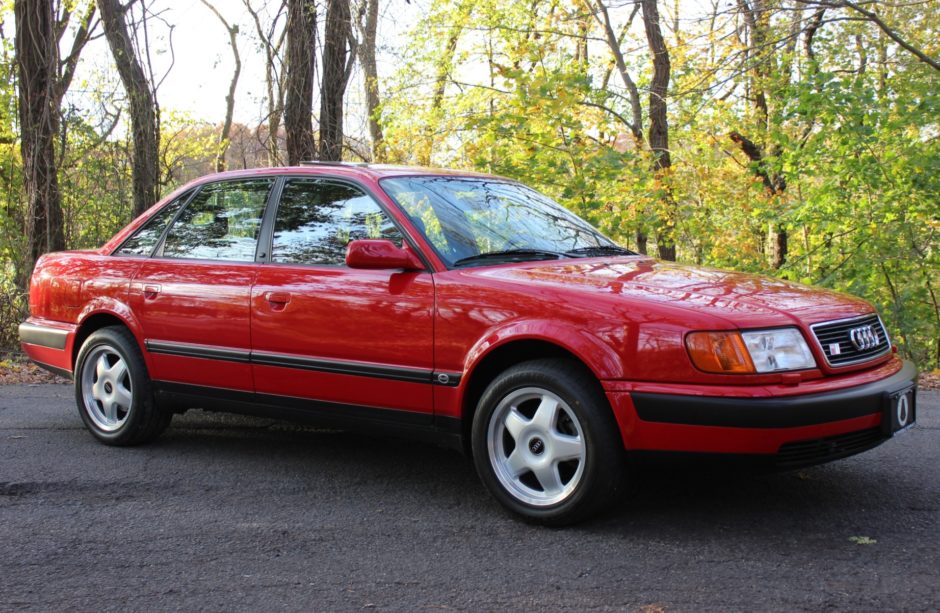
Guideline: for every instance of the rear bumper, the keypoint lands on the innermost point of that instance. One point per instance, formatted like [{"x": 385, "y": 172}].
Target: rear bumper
[
  {"x": 49, "y": 344},
  {"x": 799, "y": 428}
]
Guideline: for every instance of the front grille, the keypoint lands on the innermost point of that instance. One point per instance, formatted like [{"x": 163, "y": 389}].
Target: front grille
[
  {"x": 833, "y": 338},
  {"x": 817, "y": 451}
]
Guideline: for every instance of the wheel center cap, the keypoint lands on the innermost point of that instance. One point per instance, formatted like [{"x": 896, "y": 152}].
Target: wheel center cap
[
  {"x": 536, "y": 446},
  {"x": 107, "y": 388}
]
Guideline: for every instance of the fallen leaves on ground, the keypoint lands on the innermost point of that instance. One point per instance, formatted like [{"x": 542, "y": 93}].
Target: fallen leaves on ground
[
  {"x": 930, "y": 380},
  {"x": 15, "y": 369}
]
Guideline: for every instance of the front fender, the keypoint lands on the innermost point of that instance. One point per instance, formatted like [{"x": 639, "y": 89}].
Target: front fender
[{"x": 597, "y": 355}]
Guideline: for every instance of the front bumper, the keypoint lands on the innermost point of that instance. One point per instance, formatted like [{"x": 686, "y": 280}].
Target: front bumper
[{"x": 799, "y": 429}]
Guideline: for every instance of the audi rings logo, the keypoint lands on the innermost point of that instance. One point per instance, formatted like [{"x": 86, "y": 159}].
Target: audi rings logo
[
  {"x": 864, "y": 338},
  {"x": 904, "y": 410}
]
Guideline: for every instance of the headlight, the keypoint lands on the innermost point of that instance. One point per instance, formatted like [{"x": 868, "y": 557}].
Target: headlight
[
  {"x": 781, "y": 349},
  {"x": 761, "y": 351}
]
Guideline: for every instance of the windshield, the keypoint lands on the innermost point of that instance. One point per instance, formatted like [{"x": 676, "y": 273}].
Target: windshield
[{"x": 466, "y": 218}]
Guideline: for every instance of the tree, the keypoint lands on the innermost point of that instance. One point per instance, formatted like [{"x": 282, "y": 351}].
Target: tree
[
  {"x": 225, "y": 136},
  {"x": 339, "y": 52},
  {"x": 872, "y": 16},
  {"x": 444, "y": 66},
  {"x": 44, "y": 79},
  {"x": 658, "y": 139},
  {"x": 272, "y": 41},
  {"x": 301, "y": 63},
  {"x": 659, "y": 127},
  {"x": 37, "y": 58},
  {"x": 145, "y": 115},
  {"x": 368, "y": 27}
]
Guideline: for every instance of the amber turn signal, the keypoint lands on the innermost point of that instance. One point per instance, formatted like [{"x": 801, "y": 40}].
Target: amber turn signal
[{"x": 719, "y": 352}]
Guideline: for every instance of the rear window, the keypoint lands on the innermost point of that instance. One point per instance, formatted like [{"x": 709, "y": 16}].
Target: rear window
[{"x": 147, "y": 236}]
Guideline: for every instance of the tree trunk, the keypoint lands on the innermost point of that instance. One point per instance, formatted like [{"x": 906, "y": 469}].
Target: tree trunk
[
  {"x": 220, "y": 163},
  {"x": 371, "y": 76},
  {"x": 145, "y": 116},
  {"x": 301, "y": 62},
  {"x": 614, "y": 44},
  {"x": 659, "y": 128},
  {"x": 273, "y": 81},
  {"x": 444, "y": 67},
  {"x": 776, "y": 185},
  {"x": 779, "y": 247},
  {"x": 336, "y": 54},
  {"x": 757, "y": 16},
  {"x": 37, "y": 57}
]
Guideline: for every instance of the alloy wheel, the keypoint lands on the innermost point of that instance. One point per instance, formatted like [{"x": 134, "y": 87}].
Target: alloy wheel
[
  {"x": 536, "y": 446},
  {"x": 107, "y": 390}
]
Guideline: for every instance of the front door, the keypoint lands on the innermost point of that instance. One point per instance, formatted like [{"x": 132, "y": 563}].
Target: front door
[
  {"x": 192, "y": 296},
  {"x": 353, "y": 340}
]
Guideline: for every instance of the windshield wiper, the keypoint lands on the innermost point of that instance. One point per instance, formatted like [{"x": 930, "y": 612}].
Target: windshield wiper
[
  {"x": 511, "y": 254},
  {"x": 600, "y": 250}
]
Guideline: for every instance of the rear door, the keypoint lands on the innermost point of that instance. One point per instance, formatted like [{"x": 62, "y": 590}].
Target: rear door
[
  {"x": 192, "y": 296},
  {"x": 355, "y": 340}
]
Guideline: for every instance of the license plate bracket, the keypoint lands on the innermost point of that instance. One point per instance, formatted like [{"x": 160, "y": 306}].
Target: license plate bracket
[{"x": 900, "y": 411}]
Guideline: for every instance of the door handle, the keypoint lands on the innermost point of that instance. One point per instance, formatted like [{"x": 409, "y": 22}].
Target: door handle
[
  {"x": 277, "y": 298},
  {"x": 151, "y": 290}
]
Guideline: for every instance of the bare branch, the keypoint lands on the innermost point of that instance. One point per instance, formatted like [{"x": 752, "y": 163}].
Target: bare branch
[
  {"x": 613, "y": 43},
  {"x": 875, "y": 19}
]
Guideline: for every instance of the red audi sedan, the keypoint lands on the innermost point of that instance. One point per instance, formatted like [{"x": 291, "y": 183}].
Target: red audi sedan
[{"x": 462, "y": 308}]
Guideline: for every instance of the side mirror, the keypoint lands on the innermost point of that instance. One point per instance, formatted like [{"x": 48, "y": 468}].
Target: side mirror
[{"x": 381, "y": 254}]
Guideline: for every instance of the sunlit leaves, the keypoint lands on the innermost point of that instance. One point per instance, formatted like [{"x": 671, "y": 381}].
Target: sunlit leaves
[{"x": 858, "y": 149}]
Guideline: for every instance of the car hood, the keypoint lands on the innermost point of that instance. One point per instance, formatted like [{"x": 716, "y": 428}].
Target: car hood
[{"x": 739, "y": 298}]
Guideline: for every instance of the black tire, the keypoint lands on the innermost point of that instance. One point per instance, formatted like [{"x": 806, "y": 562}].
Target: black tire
[
  {"x": 582, "y": 409},
  {"x": 110, "y": 421}
]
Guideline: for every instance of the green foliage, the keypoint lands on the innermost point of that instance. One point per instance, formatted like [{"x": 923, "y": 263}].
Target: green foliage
[
  {"x": 529, "y": 91},
  {"x": 853, "y": 135}
]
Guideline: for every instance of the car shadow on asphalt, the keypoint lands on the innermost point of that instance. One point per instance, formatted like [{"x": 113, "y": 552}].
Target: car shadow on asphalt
[{"x": 686, "y": 498}]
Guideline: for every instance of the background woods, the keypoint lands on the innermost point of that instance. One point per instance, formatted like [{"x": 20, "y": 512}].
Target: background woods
[{"x": 797, "y": 138}]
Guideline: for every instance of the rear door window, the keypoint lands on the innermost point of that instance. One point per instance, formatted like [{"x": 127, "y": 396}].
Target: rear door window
[{"x": 221, "y": 222}]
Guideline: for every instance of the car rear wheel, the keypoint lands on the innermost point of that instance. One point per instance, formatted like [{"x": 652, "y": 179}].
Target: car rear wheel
[
  {"x": 545, "y": 442},
  {"x": 112, "y": 390}
]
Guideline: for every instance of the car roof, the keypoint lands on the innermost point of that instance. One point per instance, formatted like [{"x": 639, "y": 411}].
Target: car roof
[{"x": 348, "y": 169}]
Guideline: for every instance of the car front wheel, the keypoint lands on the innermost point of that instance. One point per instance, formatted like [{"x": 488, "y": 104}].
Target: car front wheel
[
  {"x": 545, "y": 442},
  {"x": 112, "y": 390}
]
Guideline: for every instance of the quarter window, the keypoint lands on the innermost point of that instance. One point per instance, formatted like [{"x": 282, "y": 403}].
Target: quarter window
[
  {"x": 317, "y": 218},
  {"x": 147, "y": 237},
  {"x": 221, "y": 222}
]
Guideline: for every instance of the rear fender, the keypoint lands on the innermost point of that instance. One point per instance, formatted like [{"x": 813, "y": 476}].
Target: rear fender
[{"x": 107, "y": 305}]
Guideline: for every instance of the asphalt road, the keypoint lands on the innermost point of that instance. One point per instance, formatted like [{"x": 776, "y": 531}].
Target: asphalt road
[{"x": 226, "y": 513}]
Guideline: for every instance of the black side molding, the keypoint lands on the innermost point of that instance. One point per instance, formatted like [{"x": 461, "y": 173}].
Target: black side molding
[
  {"x": 398, "y": 373},
  {"x": 192, "y": 350},
  {"x": 266, "y": 358},
  {"x": 780, "y": 412}
]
